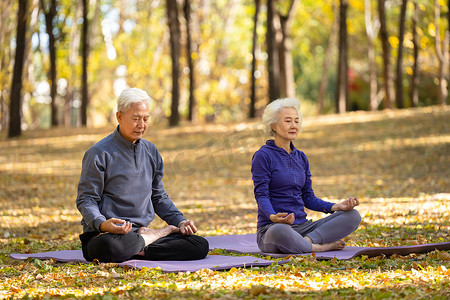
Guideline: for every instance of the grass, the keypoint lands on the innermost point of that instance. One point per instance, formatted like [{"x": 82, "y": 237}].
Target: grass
[{"x": 396, "y": 162}]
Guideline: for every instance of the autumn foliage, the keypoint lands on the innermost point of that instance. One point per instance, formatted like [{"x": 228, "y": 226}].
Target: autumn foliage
[{"x": 396, "y": 162}]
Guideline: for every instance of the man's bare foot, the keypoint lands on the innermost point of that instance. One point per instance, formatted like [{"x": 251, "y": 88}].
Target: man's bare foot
[
  {"x": 336, "y": 245},
  {"x": 168, "y": 229},
  {"x": 150, "y": 235}
]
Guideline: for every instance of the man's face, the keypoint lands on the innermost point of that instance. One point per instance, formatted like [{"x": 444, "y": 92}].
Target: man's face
[{"x": 134, "y": 122}]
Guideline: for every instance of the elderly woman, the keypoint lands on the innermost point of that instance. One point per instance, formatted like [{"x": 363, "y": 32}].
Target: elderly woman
[{"x": 282, "y": 186}]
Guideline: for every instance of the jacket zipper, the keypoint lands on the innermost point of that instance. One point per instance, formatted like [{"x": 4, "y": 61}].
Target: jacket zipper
[{"x": 135, "y": 157}]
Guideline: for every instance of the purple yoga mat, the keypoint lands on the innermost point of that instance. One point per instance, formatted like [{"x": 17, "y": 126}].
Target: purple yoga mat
[
  {"x": 246, "y": 244},
  {"x": 213, "y": 262}
]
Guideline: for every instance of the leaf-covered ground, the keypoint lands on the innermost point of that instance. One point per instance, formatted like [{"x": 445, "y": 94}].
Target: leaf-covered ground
[{"x": 395, "y": 162}]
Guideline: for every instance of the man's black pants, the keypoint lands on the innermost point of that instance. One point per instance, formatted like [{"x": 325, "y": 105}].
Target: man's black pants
[{"x": 109, "y": 247}]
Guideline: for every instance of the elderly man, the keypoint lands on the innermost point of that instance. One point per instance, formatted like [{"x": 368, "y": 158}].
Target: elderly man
[{"x": 121, "y": 189}]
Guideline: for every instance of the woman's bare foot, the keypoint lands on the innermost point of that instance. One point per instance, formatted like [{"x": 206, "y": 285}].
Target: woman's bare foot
[
  {"x": 336, "y": 245},
  {"x": 150, "y": 235}
]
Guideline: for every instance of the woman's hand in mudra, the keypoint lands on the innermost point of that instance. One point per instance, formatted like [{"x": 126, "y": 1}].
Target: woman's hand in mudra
[
  {"x": 283, "y": 218},
  {"x": 346, "y": 205}
]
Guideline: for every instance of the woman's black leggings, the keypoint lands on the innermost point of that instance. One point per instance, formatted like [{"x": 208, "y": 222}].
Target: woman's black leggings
[{"x": 109, "y": 247}]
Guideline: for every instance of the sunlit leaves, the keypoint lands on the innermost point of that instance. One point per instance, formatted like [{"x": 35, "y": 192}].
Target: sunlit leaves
[{"x": 396, "y": 162}]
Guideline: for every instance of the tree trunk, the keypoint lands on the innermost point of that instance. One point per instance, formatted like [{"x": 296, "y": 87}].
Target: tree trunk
[
  {"x": 29, "y": 76},
  {"x": 95, "y": 16},
  {"x": 388, "y": 86},
  {"x": 50, "y": 15},
  {"x": 442, "y": 54},
  {"x": 399, "y": 78},
  {"x": 192, "y": 115},
  {"x": 74, "y": 48},
  {"x": 342, "y": 73},
  {"x": 252, "y": 109},
  {"x": 7, "y": 29},
  {"x": 84, "y": 58},
  {"x": 3, "y": 105},
  {"x": 15, "y": 118},
  {"x": 372, "y": 32},
  {"x": 174, "y": 28},
  {"x": 273, "y": 64},
  {"x": 326, "y": 63},
  {"x": 287, "y": 86},
  {"x": 414, "y": 99}
]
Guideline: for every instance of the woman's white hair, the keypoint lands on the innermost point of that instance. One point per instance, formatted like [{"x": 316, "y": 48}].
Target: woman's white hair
[
  {"x": 132, "y": 95},
  {"x": 272, "y": 113}
]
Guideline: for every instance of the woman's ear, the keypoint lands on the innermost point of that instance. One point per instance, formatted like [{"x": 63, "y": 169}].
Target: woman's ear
[{"x": 273, "y": 127}]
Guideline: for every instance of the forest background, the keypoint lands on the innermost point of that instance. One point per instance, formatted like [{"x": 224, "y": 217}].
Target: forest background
[
  {"x": 217, "y": 60},
  {"x": 380, "y": 66}
]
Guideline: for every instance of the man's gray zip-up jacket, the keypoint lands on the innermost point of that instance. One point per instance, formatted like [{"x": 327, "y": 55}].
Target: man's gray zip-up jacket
[{"x": 123, "y": 180}]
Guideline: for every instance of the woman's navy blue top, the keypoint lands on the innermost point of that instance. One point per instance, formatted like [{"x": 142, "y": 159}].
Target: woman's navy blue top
[{"x": 282, "y": 183}]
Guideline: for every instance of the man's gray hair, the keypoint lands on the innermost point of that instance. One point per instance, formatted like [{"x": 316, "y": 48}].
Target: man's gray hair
[
  {"x": 132, "y": 95},
  {"x": 272, "y": 112}
]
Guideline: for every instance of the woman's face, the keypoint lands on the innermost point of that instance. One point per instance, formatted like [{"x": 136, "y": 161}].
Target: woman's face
[{"x": 288, "y": 124}]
